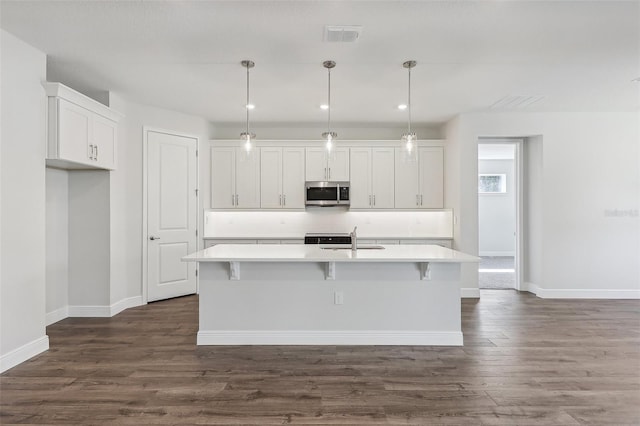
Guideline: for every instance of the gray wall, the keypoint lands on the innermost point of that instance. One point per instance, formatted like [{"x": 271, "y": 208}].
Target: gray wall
[
  {"x": 57, "y": 240},
  {"x": 22, "y": 195}
]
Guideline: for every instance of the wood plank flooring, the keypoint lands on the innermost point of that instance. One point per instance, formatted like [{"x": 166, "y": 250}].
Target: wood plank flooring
[{"x": 526, "y": 361}]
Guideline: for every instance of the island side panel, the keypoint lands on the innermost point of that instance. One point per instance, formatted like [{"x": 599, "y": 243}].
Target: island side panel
[{"x": 279, "y": 303}]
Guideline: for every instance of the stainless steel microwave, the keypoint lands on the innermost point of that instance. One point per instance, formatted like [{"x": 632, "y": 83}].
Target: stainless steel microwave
[{"x": 325, "y": 194}]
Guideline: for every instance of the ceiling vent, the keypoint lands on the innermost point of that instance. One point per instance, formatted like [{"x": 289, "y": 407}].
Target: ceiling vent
[
  {"x": 342, "y": 33},
  {"x": 516, "y": 102}
]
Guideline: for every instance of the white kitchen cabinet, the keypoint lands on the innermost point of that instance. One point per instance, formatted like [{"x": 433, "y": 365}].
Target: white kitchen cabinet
[
  {"x": 431, "y": 179},
  {"x": 235, "y": 178},
  {"x": 420, "y": 184},
  {"x": 282, "y": 178},
  {"x": 321, "y": 165},
  {"x": 82, "y": 133},
  {"x": 372, "y": 178}
]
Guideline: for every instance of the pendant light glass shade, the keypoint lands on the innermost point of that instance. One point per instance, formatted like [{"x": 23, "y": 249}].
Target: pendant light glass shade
[
  {"x": 247, "y": 136},
  {"x": 329, "y": 136},
  {"x": 409, "y": 138}
]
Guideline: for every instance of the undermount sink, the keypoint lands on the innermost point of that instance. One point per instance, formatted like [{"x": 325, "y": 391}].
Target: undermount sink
[{"x": 364, "y": 247}]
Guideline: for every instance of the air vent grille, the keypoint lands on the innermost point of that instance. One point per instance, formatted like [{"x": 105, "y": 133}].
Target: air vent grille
[
  {"x": 516, "y": 102},
  {"x": 342, "y": 33}
]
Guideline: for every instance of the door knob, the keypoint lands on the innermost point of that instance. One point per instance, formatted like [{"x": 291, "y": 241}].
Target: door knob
[{"x": 154, "y": 238}]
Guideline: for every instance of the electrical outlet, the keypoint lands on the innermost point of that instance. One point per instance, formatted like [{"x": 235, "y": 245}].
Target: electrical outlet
[{"x": 338, "y": 298}]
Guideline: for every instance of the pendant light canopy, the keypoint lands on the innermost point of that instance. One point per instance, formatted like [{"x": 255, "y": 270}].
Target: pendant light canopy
[
  {"x": 409, "y": 138},
  {"x": 247, "y": 136},
  {"x": 329, "y": 136}
]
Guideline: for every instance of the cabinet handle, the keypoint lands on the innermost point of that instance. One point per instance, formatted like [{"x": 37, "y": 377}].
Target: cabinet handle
[
  {"x": 236, "y": 200},
  {"x": 374, "y": 200},
  {"x": 369, "y": 200},
  {"x": 90, "y": 152},
  {"x": 417, "y": 200},
  {"x": 232, "y": 200},
  {"x": 284, "y": 200},
  {"x": 420, "y": 199},
  {"x": 329, "y": 172},
  {"x": 96, "y": 156},
  {"x": 152, "y": 238},
  {"x": 325, "y": 173}
]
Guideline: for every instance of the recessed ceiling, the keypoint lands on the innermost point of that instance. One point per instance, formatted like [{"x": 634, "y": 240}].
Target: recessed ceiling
[{"x": 185, "y": 55}]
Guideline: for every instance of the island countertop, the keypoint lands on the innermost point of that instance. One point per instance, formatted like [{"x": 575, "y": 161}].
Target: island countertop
[{"x": 313, "y": 253}]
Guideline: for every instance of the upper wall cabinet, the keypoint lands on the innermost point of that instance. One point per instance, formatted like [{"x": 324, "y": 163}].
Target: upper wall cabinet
[
  {"x": 282, "y": 178},
  {"x": 235, "y": 178},
  {"x": 82, "y": 133},
  {"x": 321, "y": 165},
  {"x": 372, "y": 178},
  {"x": 420, "y": 184}
]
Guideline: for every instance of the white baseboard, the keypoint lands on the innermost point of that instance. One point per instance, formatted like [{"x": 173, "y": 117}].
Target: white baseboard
[
  {"x": 89, "y": 311},
  {"x": 23, "y": 353},
  {"x": 469, "y": 293},
  {"x": 130, "y": 302},
  {"x": 578, "y": 293},
  {"x": 498, "y": 253},
  {"x": 105, "y": 311},
  {"x": 364, "y": 337},
  {"x": 57, "y": 315}
]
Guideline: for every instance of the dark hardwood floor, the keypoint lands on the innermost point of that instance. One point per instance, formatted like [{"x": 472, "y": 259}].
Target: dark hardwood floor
[{"x": 525, "y": 361}]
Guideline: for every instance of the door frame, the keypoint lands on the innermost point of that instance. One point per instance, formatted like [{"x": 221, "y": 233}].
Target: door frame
[
  {"x": 145, "y": 201},
  {"x": 518, "y": 172}
]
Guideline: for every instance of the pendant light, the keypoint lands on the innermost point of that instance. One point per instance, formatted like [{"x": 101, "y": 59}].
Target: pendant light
[
  {"x": 329, "y": 136},
  {"x": 409, "y": 138},
  {"x": 247, "y": 136}
]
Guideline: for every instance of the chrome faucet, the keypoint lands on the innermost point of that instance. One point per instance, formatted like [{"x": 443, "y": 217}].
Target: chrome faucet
[{"x": 354, "y": 239}]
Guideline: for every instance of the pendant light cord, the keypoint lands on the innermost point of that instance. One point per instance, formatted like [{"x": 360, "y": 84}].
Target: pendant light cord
[
  {"x": 329, "y": 102},
  {"x": 247, "y": 104},
  {"x": 409, "y": 101}
]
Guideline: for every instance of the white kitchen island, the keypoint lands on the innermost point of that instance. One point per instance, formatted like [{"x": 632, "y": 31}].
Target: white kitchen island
[{"x": 268, "y": 294}]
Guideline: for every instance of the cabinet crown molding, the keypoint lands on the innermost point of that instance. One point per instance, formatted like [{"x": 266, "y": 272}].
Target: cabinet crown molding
[{"x": 61, "y": 91}]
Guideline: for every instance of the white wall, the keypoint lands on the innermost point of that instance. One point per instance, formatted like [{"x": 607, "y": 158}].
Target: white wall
[
  {"x": 590, "y": 168},
  {"x": 57, "y": 243},
  {"x": 497, "y": 212},
  {"x": 126, "y": 187},
  {"x": 22, "y": 190}
]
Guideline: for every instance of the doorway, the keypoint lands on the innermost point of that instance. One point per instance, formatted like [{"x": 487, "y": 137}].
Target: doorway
[
  {"x": 170, "y": 214},
  {"x": 499, "y": 195}
]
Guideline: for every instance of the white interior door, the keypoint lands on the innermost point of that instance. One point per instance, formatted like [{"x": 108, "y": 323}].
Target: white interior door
[{"x": 171, "y": 214}]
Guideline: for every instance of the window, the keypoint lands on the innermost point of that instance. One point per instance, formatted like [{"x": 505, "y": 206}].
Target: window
[{"x": 492, "y": 184}]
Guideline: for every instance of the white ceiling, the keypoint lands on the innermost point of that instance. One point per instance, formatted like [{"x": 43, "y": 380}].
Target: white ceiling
[{"x": 185, "y": 55}]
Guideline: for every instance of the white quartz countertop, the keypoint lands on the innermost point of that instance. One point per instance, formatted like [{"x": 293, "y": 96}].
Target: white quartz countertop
[{"x": 313, "y": 253}]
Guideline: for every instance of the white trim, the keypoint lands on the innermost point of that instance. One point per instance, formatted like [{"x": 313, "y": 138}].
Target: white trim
[
  {"x": 59, "y": 90},
  {"x": 530, "y": 287},
  {"x": 130, "y": 302},
  {"x": 101, "y": 311},
  {"x": 57, "y": 315},
  {"x": 498, "y": 253},
  {"x": 469, "y": 293},
  {"x": 581, "y": 293},
  {"x": 519, "y": 188},
  {"x": 97, "y": 311},
  {"x": 23, "y": 353},
  {"x": 145, "y": 207},
  {"x": 313, "y": 337}
]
